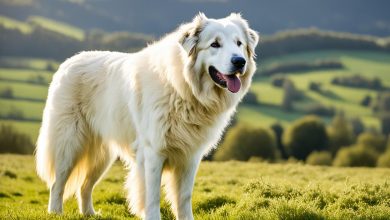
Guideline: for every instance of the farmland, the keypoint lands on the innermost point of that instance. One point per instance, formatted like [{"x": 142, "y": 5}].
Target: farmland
[{"x": 29, "y": 95}]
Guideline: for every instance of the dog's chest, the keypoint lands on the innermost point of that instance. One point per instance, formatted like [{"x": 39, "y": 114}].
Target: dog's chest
[{"x": 188, "y": 126}]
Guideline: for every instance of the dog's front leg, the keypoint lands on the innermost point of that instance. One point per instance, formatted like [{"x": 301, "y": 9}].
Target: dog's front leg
[
  {"x": 179, "y": 183},
  {"x": 153, "y": 169}
]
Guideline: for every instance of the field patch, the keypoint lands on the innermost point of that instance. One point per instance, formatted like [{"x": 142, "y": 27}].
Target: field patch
[{"x": 236, "y": 190}]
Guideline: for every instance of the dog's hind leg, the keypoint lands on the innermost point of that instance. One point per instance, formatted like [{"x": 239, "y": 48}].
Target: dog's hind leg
[
  {"x": 67, "y": 146},
  {"x": 135, "y": 184},
  {"x": 98, "y": 158}
]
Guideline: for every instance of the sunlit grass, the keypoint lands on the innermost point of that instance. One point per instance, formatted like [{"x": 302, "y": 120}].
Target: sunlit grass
[
  {"x": 25, "y": 90},
  {"x": 15, "y": 24},
  {"x": 30, "y": 110},
  {"x": 29, "y": 63},
  {"x": 57, "y": 26},
  {"x": 227, "y": 190},
  {"x": 24, "y": 75}
]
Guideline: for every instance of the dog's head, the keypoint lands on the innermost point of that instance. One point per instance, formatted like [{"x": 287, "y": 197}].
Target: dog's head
[{"x": 221, "y": 56}]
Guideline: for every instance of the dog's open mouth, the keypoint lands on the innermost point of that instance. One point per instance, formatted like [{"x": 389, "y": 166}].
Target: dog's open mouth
[{"x": 232, "y": 82}]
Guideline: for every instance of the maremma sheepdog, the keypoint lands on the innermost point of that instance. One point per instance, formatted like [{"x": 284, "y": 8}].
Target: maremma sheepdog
[{"x": 159, "y": 110}]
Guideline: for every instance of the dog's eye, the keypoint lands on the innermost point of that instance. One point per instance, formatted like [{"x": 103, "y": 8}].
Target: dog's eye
[
  {"x": 215, "y": 44},
  {"x": 239, "y": 43}
]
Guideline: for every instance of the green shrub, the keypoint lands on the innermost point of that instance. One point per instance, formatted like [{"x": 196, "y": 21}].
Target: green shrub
[
  {"x": 323, "y": 158},
  {"x": 250, "y": 99},
  {"x": 243, "y": 142},
  {"x": 372, "y": 140},
  {"x": 356, "y": 156},
  {"x": 384, "y": 160},
  {"x": 11, "y": 141},
  {"x": 305, "y": 136}
]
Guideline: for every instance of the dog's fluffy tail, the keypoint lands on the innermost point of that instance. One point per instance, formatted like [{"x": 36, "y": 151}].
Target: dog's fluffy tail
[{"x": 44, "y": 157}]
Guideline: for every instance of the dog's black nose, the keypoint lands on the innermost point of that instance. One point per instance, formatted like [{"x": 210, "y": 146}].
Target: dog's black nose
[{"x": 238, "y": 62}]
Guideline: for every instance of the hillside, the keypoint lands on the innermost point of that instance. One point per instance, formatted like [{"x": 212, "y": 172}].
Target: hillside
[
  {"x": 29, "y": 84},
  {"x": 152, "y": 17}
]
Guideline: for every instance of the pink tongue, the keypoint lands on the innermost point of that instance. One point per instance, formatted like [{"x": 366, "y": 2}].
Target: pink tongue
[{"x": 233, "y": 83}]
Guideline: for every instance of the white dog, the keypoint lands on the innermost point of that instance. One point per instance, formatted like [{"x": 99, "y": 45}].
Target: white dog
[{"x": 160, "y": 110}]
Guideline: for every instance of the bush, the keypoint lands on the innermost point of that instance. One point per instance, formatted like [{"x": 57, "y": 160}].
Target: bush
[
  {"x": 319, "y": 109},
  {"x": 356, "y": 156},
  {"x": 323, "y": 158},
  {"x": 7, "y": 93},
  {"x": 366, "y": 101},
  {"x": 250, "y": 99},
  {"x": 11, "y": 141},
  {"x": 315, "y": 86},
  {"x": 278, "y": 80},
  {"x": 384, "y": 160},
  {"x": 372, "y": 140},
  {"x": 305, "y": 136},
  {"x": 243, "y": 142}
]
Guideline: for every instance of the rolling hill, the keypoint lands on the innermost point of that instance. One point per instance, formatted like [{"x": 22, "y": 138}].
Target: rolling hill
[
  {"x": 29, "y": 97},
  {"x": 152, "y": 17}
]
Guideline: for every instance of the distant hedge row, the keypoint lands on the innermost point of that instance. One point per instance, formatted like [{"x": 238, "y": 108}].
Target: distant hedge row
[
  {"x": 314, "y": 39},
  {"x": 301, "y": 67}
]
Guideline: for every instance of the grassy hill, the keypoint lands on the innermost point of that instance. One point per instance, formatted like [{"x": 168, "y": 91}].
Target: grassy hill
[
  {"x": 229, "y": 190},
  {"x": 370, "y": 64},
  {"x": 29, "y": 96}
]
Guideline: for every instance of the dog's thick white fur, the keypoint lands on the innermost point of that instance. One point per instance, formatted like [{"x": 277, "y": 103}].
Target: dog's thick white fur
[{"x": 160, "y": 110}]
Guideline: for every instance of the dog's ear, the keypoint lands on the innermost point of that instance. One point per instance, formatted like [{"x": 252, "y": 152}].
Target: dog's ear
[
  {"x": 190, "y": 33},
  {"x": 251, "y": 35}
]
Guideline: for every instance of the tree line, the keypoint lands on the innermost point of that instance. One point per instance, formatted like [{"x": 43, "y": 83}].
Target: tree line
[{"x": 44, "y": 43}]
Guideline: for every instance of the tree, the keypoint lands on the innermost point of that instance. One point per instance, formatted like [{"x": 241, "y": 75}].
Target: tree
[
  {"x": 340, "y": 133},
  {"x": 288, "y": 97},
  {"x": 305, "y": 136},
  {"x": 243, "y": 142},
  {"x": 278, "y": 130},
  {"x": 357, "y": 126}
]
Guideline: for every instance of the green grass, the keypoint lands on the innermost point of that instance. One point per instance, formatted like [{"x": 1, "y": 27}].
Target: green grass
[
  {"x": 31, "y": 110},
  {"x": 57, "y": 26},
  {"x": 24, "y": 75},
  {"x": 15, "y": 24},
  {"x": 228, "y": 190},
  {"x": 25, "y": 90},
  {"x": 28, "y": 63}
]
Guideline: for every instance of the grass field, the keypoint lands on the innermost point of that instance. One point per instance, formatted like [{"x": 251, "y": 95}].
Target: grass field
[{"x": 229, "y": 190}]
